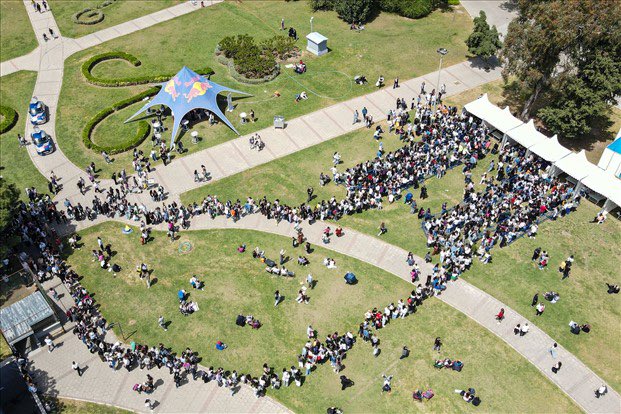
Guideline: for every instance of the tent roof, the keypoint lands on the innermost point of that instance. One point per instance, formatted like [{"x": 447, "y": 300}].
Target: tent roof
[
  {"x": 526, "y": 135},
  {"x": 316, "y": 37},
  {"x": 615, "y": 146},
  {"x": 550, "y": 150},
  {"x": 188, "y": 90},
  {"x": 605, "y": 183},
  {"x": 501, "y": 119},
  {"x": 577, "y": 165},
  {"x": 16, "y": 320}
]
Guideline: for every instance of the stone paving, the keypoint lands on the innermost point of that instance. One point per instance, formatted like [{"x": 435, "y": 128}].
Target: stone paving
[
  {"x": 100, "y": 384},
  {"x": 575, "y": 378}
]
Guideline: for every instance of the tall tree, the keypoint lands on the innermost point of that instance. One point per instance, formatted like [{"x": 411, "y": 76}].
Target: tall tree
[
  {"x": 9, "y": 195},
  {"x": 484, "y": 41},
  {"x": 566, "y": 57}
]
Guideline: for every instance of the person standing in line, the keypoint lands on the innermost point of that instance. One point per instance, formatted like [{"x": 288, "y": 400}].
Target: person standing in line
[
  {"x": 553, "y": 352},
  {"x": 356, "y": 117},
  {"x": 161, "y": 323},
  {"x": 149, "y": 404},
  {"x": 50, "y": 344},
  {"x": 76, "y": 367},
  {"x": 437, "y": 344}
]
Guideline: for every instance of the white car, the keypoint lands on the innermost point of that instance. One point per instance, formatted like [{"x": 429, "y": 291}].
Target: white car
[
  {"x": 37, "y": 111},
  {"x": 42, "y": 141}
]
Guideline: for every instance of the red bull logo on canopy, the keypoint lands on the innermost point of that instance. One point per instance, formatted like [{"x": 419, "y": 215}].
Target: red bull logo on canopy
[{"x": 199, "y": 93}]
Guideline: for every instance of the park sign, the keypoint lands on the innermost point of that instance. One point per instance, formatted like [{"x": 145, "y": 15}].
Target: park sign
[{"x": 186, "y": 91}]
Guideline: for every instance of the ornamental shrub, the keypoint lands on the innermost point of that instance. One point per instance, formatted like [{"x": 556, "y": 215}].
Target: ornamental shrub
[
  {"x": 355, "y": 11},
  {"x": 413, "y": 9},
  {"x": 141, "y": 134},
  {"x": 252, "y": 61},
  {"x": 88, "y": 66},
  {"x": 10, "y": 118}
]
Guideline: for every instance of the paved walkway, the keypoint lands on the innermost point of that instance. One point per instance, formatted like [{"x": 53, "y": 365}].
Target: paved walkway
[
  {"x": 101, "y": 385},
  {"x": 575, "y": 378},
  {"x": 232, "y": 157},
  {"x": 498, "y": 12}
]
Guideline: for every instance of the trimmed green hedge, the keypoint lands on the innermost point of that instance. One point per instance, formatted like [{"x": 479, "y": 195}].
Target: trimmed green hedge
[
  {"x": 10, "y": 118},
  {"x": 92, "y": 15},
  {"x": 88, "y": 66},
  {"x": 141, "y": 134}
]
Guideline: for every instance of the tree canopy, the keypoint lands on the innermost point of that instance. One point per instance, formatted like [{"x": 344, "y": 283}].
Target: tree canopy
[
  {"x": 9, "y": 196},
  {"x": 566, "y": 57},
  {"x": 484, "y": 41}
]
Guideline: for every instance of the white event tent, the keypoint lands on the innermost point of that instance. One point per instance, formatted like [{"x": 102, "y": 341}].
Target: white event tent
[
  {"x": 599, "y": 179},
  {"x": 526, "y": 135},
  {"x": 500, "y": 119},
  {"x": 550, "y": 150}
]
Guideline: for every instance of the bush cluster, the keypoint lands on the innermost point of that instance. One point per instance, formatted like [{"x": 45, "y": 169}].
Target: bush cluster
[
  {"x": 360, "y": 11},
  {"x": 10, "y": 118},
  {"x": 255, "y": 61},
  {"x": 91, "y": 16},
  {"x": 88, "y": 66},
  {"x": 141, "y": 134}
]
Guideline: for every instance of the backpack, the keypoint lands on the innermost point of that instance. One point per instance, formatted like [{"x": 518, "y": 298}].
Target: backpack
[{"x": 476, "y": 401}]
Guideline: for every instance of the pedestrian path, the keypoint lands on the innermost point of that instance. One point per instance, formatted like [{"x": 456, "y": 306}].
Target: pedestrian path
[
  {"x": 233, "y": 156},
  {"x": 575, "y": 378},
  {"x": 100, "y": 384}
]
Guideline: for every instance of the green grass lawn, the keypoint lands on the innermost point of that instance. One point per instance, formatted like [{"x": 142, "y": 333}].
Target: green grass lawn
[
  {"x": 583, "y": 296},
  {"x": 236, "y": 283},
  {"x": 165, "y": 48},
  {"x": 15, "y": 164},
  {"x": 68, "y": 406},
  {"x": 116, "y": 13},
  {"x": 16, "y": 35}
]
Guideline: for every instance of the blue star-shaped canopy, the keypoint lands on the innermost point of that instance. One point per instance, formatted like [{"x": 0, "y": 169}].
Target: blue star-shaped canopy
[{"x": 188, "y": 90}]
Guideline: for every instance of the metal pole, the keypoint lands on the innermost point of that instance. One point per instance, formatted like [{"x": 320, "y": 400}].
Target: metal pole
[
  {"x": 438, "y": 84},
  {"x": 311, "y": 22}
]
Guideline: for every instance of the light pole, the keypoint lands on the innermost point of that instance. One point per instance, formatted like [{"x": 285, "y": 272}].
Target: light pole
[
  {"x": 311, "y": 22},
  {"x": 442, "y": 52}
]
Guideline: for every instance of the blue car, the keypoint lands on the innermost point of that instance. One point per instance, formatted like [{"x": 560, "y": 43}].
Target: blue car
[
  {"x": 42, "y": 142},
  {"x": 37, "y": 111}
]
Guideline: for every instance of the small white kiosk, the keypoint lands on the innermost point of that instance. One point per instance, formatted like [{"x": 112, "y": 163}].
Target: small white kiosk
[{"x": 317, "y": 43}]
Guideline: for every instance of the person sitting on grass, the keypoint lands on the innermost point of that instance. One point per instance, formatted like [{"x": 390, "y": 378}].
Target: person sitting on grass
[
  {"x": 303, "y": 261},
  {"x": 553, "y": 297},
  {"x": 612, "y": 289},
  {"x": 220, "y": 346},
  {"x": 302, "y": 96},
  {"x": 241, "y": 248},
  {"x": 329, "y": 263}
]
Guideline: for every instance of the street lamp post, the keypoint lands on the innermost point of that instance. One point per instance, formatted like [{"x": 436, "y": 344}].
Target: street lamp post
[
  {"x": 442, "y": 52},
  {"x": 311, "y": 22}
]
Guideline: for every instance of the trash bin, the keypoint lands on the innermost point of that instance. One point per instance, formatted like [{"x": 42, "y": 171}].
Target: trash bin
[{"x": 279, "y": 121}]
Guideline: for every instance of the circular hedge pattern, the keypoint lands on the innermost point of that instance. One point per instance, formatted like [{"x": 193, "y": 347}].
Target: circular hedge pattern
[
  {"x": 10, "y": 118},
  {"x": 88, "y": 17}
]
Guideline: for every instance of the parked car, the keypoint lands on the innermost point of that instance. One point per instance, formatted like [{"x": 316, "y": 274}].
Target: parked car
[
  {"x": 42, "y": 141},
  {"x": 37, "y": 111}
]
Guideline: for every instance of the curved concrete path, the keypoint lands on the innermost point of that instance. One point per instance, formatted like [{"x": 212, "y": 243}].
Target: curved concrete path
[
  {"x": 575, "y": 379},
  {"x": 234, "y": 156},
  {"x": 225, "y": 159}
]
